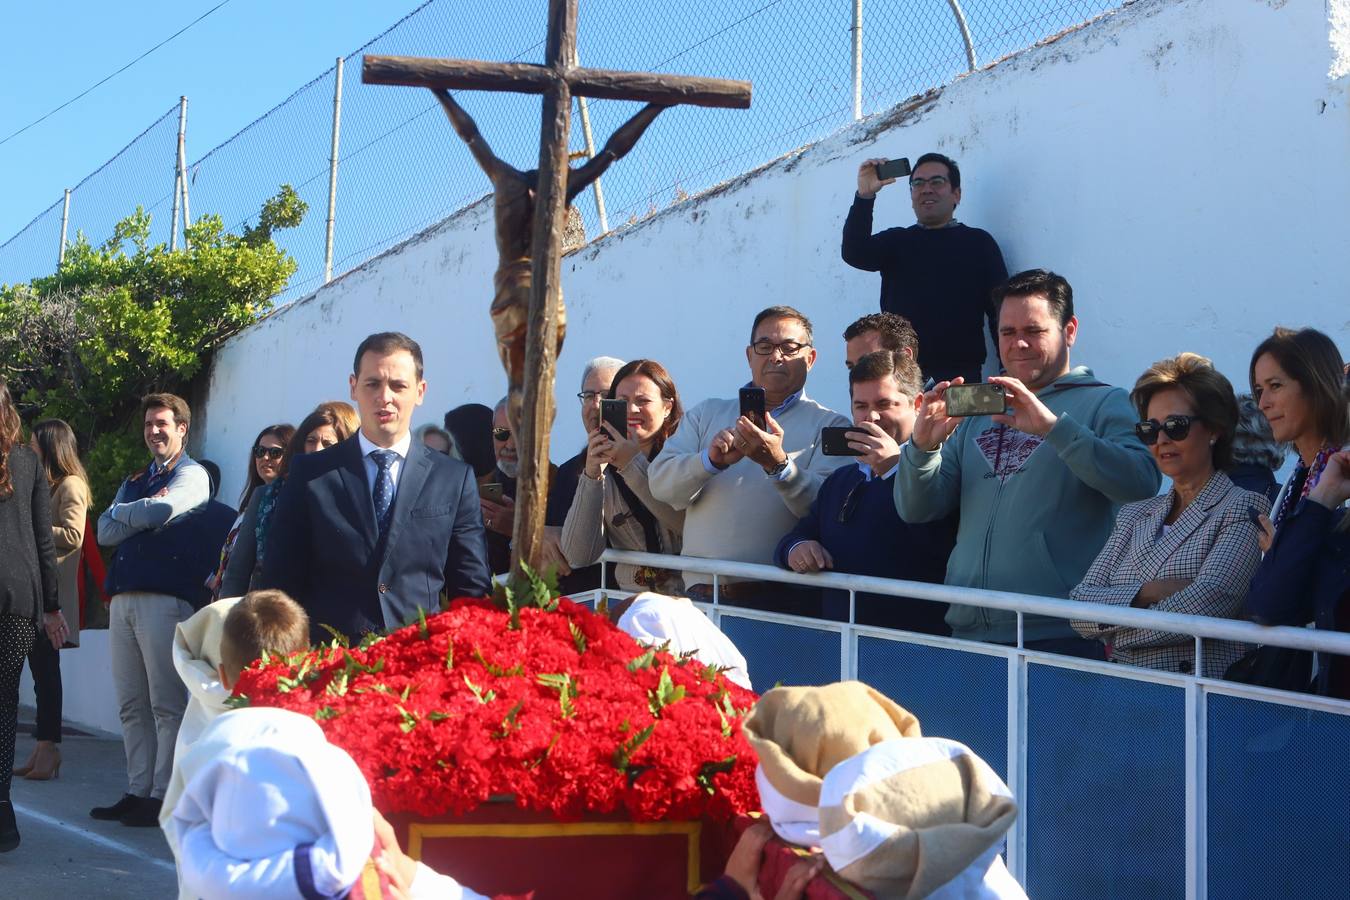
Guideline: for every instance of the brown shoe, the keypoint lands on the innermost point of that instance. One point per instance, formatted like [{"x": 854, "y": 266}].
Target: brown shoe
[
  {"x": 46, "y": 763},
  {"x": 23, "y": 770}
]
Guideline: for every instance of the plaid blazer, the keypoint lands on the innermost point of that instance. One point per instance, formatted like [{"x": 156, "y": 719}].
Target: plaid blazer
[{"x": 1213, "y": 542}]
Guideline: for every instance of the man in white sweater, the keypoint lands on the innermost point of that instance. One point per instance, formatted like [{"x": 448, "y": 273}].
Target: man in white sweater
[{"x": 743, "y": 486}]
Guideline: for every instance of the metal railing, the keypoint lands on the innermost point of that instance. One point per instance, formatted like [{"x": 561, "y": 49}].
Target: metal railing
[
  {"x": 378, "y": 165},
  {"x": 1056, "y": 735}
]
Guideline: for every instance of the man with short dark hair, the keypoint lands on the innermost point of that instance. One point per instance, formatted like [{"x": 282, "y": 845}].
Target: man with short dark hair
[
  {"x": 149, "y": 522},
  {"x": 1037, "y": 487},
  {"x": 743, "y": 486},
  {"x": 937, "y": 273},
  {"x": 853, "y": 527},
  {"x": 368, "y": 532},
  {"x": 879, "y": 331}
]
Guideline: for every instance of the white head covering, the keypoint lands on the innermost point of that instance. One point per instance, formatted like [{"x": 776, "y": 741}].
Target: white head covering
[
  {"x": 655, "y": 619},
  {"x": 270, "y": 809}
]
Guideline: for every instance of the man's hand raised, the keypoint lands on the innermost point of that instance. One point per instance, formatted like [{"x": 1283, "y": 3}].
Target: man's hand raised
[
  {"x": 868, "y": 182},
  {"x": 763, "y": 445},
  {"x": 1029, "y": 415},
  {"x": 932, "y": 425}
]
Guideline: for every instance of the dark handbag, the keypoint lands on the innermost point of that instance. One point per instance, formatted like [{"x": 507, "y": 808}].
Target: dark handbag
[{"x": 1283, "y": 668}]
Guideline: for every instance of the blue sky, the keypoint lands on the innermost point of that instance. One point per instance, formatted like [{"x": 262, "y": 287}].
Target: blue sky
[{"x": 240, "y": 61}]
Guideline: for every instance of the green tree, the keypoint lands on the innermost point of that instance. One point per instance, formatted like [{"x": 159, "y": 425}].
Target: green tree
[{"x": 129, "y": 317}]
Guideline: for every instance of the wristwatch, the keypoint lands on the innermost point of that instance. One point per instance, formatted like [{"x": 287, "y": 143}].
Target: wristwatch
[{"x": 777, "y": 470}]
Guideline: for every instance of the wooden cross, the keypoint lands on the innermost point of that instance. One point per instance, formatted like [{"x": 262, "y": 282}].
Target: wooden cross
[{"x": 558, "y": 79}]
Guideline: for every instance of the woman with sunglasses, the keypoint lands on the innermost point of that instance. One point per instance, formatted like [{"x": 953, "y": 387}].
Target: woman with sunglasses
[
  {"x": 613, "y": 504},
  {"x": 1297, "y": 377},
  {"x": 329, "y": 424},
  {"x": 264, "y": 461},
  {"x": 1192, "y": 550}
]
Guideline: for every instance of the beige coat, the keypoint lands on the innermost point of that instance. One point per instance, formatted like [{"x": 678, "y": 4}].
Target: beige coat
[{"x": 70, "y": 512}]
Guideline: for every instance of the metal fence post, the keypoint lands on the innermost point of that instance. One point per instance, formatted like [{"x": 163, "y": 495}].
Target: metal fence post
[
  {"x": 857, "y": 59},
  {"x": 180, "y": 180},
  {"x": 597, "y": 192},
  {"x": 65, "y": 220},
  {"x": 332, "y": 172},
  {"x": 965, "y": 32}
]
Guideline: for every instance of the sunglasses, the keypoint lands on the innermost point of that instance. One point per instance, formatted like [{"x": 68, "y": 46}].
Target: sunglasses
[
  {"x": 1175, "y": 427},
  {"x": 501, "y": 435},
  {"x": 272, "y": 453}
]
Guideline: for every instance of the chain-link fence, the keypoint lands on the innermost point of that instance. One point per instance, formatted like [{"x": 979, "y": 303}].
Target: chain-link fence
[{"x": 815, "y": 64}]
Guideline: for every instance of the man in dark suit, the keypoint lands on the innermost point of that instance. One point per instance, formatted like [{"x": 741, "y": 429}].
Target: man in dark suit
[{"x": 370, "y": 530}]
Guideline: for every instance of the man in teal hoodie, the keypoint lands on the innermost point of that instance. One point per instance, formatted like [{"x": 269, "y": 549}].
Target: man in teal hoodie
[{"x": 1038, "y": 487}]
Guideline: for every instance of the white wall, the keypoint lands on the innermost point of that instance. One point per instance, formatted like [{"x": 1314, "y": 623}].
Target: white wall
[
  {"x": 1183, "y": 162},
  {"x": 89, "y": 701}
]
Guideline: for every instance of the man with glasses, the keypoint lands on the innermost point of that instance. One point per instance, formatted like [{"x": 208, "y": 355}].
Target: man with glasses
[
  {"x": 743, "y": 486},
  {"x": 937, "y": 273},
  {"x": 853, "y": 527},
  {"x": 1037, "y": 488}
]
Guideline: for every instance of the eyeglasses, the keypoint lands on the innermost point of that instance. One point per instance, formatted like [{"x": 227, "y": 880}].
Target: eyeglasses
[
  {"x": 501, "y": 435},
  {"x": 918, "y": 184},
  {"x": 851, "y": 502},
  {"x": 589, "y": 396},
  {"x": 1175, "y": 427},
  {"x": 789, "y": 349},
  {"x": 272, "y": 453}
]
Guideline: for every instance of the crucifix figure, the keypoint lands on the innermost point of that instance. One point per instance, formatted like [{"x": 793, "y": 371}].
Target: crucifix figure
[{"x": 531, "y": 210}]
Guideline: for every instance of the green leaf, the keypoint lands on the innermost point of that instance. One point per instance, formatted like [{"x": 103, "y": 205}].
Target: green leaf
[
  {"x": 423, "y": 630},
  {"x": 407, "y": 720},
  {"x": 578, "y": 636},
  {"x": 709, "y": 769},
  {"x": 479, "y": 694},
  {"x": 338, "y": 637},
  {"x": 509, "y": 724},
  {"x": 450, "y": 657},
  {"x": 236, "y": 701},
  {"x": 566, "y": 687},
  {"x": 324, "y": 713},
  {"x": 666, "y": 693},
  {"x": 644, "y": 661},
  {"x": 624, "y": 753},
  {"x": 438, "y": 716}
]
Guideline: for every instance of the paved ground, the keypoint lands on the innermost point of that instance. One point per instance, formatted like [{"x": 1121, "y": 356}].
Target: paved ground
[{"x": 67, "y": 855}]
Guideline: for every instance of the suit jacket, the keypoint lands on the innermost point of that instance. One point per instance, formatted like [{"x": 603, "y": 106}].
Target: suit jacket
[
  {"x": 28, "y": 579},
  {"x": 1213, "y": 542},
  {"x": 325, "y": 550}
]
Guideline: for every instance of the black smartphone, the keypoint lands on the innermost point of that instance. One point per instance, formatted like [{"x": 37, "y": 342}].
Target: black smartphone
[
  {"x": 752, "y": 406},
  {"x": 834, "y": 442},
  {"x": 981, "y": 399},
  {"x": 1255, "y": 517},
  {"x": 492, "y": 491},
  {"x": 893, "y": 168},
  {"x": 615, "y": 412}
]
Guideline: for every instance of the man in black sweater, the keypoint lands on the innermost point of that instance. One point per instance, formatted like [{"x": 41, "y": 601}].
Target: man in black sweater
[{"x": 938, "y": 273}]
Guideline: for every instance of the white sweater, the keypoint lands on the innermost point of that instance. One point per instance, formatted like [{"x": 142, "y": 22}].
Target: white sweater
[{"x": 740, "y": 513}]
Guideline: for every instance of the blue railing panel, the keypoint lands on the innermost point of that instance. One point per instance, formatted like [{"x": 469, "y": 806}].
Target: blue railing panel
[
  {"x": 924, "y": 680},
  {"x": 1106, "y": 787},
  {"x": 785, "y": 654},
  {"x": 1279, "y": 818}
]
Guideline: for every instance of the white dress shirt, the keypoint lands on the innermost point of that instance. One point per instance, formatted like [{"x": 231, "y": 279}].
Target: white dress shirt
[{"x": 395, "y": 468}]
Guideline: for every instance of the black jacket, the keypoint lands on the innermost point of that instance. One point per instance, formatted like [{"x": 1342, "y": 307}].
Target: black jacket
[
  {"x": 325, "y": 550},
  {"x": 28, "y": 580}
]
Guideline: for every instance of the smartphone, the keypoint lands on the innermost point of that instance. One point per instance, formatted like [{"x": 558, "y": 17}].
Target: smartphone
[
  {"x": 494, "y": 492},
  {"x": 752, "y": 406},
  {"x": 982, "y": 399},
  {"x": 893, "y": 168},
  {"x": 834, "y": 442},
  {"x": 1255, "y": 517},
  {"x": 615, "y": 412}
]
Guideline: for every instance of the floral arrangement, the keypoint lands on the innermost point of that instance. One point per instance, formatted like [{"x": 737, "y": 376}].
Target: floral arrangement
[{"x": 546, "y": 702}]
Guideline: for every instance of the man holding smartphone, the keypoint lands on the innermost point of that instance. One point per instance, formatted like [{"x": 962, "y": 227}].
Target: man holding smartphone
[
  {"x": 1037, "y": 485},
  {"x": 937, "y": 273},
  {"x": 742, "y": 485},
  {"x": 853, "y": 527}
]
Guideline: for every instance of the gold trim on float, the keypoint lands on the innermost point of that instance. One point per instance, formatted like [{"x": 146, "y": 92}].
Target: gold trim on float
[{"x": 418, "y": 831}]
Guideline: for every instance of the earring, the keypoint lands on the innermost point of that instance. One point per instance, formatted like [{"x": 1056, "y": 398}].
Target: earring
[{"x": 1213, "y": 441}]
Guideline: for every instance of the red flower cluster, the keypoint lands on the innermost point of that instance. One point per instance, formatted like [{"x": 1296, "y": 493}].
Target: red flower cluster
[{"x": 566, "y": 713}]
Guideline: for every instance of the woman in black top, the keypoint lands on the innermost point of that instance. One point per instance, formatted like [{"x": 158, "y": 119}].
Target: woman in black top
[{"x": 28, "y": 585}]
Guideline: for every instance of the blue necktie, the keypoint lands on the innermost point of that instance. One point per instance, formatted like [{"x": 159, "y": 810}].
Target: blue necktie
[{"x": 384, "y": 487}]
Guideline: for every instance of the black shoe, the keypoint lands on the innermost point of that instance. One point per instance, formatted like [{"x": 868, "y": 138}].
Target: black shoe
[
  {"x": 117, "y": 810},
  {"x": 9, "y": 829},
  {"x": 145, "y": 814}
]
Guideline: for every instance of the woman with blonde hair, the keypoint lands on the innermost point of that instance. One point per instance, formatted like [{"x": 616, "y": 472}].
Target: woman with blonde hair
[
  {"x": 1192, "y": 550},
  {"x": 330, "y": 423},
  {"x": 54, "y": 443}
]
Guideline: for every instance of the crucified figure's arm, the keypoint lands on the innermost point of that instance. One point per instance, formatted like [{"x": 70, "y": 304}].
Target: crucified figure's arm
[
  {"x": 618, "y": 145},
  {"x": 478, "y": 145}
]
